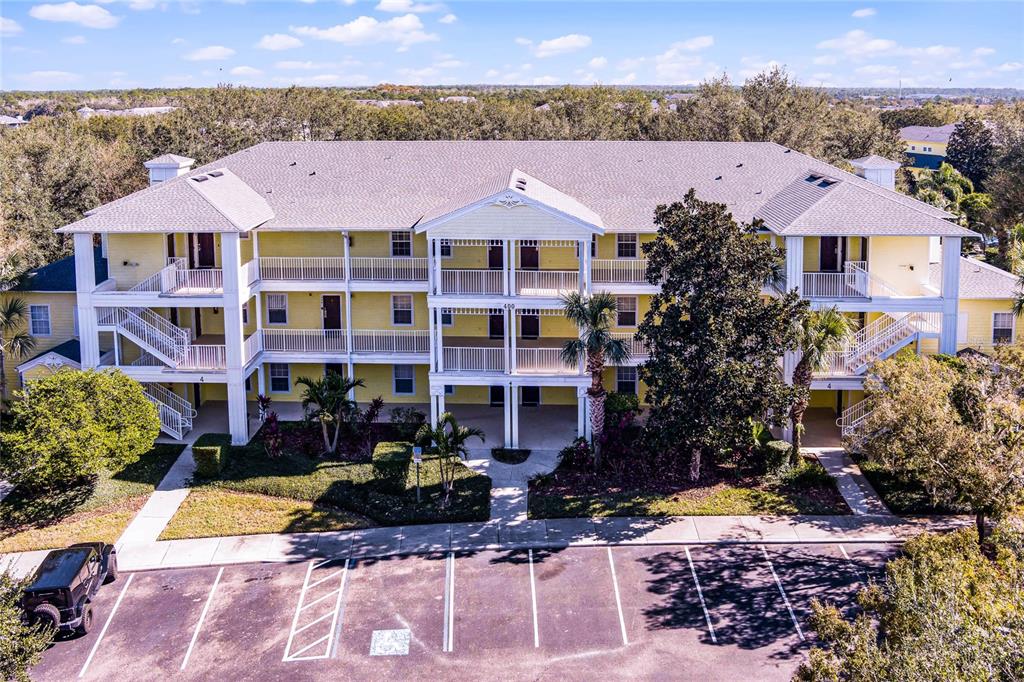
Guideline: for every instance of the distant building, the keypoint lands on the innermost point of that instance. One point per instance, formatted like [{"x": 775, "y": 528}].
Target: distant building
[
  {"x": 385, "y": 103},
  {"x": 926, "y": 145},
  {"x": 11, "y": 121},
  {"x": 458, "y": 99},
  {"x": 88, "y": 112}
]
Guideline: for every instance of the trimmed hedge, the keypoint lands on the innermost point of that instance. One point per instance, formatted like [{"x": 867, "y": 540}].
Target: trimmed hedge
[
  {"x": 776, "y": 455},
  {"x": 391, "y": 461},
  {"x": 392, "y": 451},
  {"x": 210, "y": 453},
  {"x": 510, "y": 455}
]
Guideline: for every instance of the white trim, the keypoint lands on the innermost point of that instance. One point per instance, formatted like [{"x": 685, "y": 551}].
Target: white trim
[
  {"x": 1013, "y": 326},
  {"x": 391, "y": 243},
  {"x": 271, "y": 377},
  {"x": 283, "y": 296},
  {"x": 412, "y": 311},
  {"x": 395, "y": 378},
  {"x": 50, "y": 358},
  {"x": 522, "y": 199},
  {"x": 636, "y": 312},
  {"x": 636, "y": 378},
  {"x": 49, "y": 320},
  {"x": 341, "y": 310},
  {"x": 635, "y": 242}
]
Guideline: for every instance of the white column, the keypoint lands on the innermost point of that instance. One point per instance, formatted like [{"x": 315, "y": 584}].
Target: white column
[
  {"x": 346, "y": 243},
  {"x": 508, "y": 415},
  {"x": 513, "y": 344},
  {"x": 514, "y": 393},
  {"x": 439, "y": 344},
  {"x": 261, "y": 382},
  {"x": 581, "y": 412},
  {"x": 506, "y": 280},
  {"x": 231, "y": 263},
  {"x": 513, "y": 288},
  {"x": 434, "y": 253},
  {"x": 581, "y": 247},
  {"x": 587, "y": 273},
  {"x": 85, "y": 282},
  {"x": 430, "y": 267},
  {"x": 255, "y": 236},
  {"x": 117, "y": 348},
  {"x": 434, "y": 414},
  {"x": 950, "y": 294},
  {"x": 431, "y": 323},
  {"x": 506, "y": 346},
  {"x": 794, "y": 263}
]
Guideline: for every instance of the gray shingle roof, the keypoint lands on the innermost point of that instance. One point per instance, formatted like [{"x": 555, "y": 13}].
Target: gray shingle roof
[
  {"x": 232, "y": 198},
  {"x": 979, "y": 280},
  {"x": 387, "y": 185},
  {"x": 928, "y": 133},
  {"x": 169, "y": 160},
  {"x": 60, "y": 275},
  {"x": 874, "y": 161}
]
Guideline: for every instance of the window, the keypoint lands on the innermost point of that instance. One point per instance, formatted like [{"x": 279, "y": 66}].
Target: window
[
  {"x": 280, "y": 378},
  {"x": 926, "y": 149},
  {"x": 625, "y": 245},
  {"x": 446, "y": 248},
  {"x": 401, "y": 244},
  {"x": 405, "y": 380},
  {"x": 626, "y": 308},
  {"x": 913, "y": 148},
  {"x": 593, "y": 247},
  {"x": 248, "y": 383},
  {"x": 277, "y": 308},
  {"x": 447, "y": 318},
  {"x": 401, "y": 310},
  {"x": 245, "y": 313},
  {"x": 449, "y": 389},
  {"x": 1002, "y": 327},
  {"x": 625, "y": 380},
  {"x": 39, "y": 320}
]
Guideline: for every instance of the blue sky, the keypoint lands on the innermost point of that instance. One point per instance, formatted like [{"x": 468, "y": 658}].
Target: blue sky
[{"x": 155, "y": 43}]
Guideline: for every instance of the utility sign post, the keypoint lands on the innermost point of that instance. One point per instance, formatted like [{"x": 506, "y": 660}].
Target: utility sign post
[{"x": 417, "y": 458}]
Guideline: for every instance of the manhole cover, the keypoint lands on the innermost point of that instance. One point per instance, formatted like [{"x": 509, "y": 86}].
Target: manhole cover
[{"x": 389, "y": 643}]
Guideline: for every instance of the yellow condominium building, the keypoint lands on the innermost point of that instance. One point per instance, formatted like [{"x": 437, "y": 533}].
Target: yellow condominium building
[{"x": 434, "y": 270}]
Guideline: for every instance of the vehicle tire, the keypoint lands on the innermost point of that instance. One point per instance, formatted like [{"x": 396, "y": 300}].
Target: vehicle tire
[
  {"x": 111, "y": 569},
  {"x": 86, "y": 624},
  {"x": 46, "y": 615}
]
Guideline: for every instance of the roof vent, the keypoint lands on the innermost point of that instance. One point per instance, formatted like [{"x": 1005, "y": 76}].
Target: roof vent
[
  {"x": 718, "y": 177},
  {"x": 739, "y": 165},
  {"x": 521, "y": 184},
  {"x": 313, "y": 173},
  {"x": 827, "y": 182},
  {"x": 216, "y": 174},
  {"x": 293, "y": 163},
  {"x": 812, "y": 178},
  {"x": 200, "y": 178}
]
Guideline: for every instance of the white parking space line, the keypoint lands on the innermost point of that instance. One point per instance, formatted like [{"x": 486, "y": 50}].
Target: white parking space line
[
  {"x": 333, "y": 632},
  {"x": 618, "y": 599},
  {"x": 700, "y": 595},
  {"x": 106, "y": 625},
  {"x": 338, "y": 606},
  {"x": 202, "y": 617},
  {"x": 533, "y": 599},
  {"x": 785, "y": 599},
  {"x": 448, "y": 643},
  {"x": 298, "y": 610},
  {"x": 862, "y": 576}
]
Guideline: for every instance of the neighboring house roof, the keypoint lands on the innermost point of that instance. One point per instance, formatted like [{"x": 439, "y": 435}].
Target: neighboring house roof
[
  {"x": 69, "y": 351},
  {"x": 60, "y": 275},
  {"x": 874, "y": 161},
  {"x": 928, "y": 133},
  {"x": 169, "y": 160},
  {"x": 979, "y": 280},
  {"x": 12, "y": 120},
  {"x": 390, "y": 185}
]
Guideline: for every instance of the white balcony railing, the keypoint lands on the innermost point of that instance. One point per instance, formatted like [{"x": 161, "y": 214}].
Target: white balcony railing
[
  {"x": 467, "y": 359},
  {"x": 252, "y": 346},
  {"x": 637, "y": 350},
  {"x": 619, "y": 271},
  {"x": 472, "y": 282},
  {"x": 176, "y": 279},
  {"x": 546, "y": 282},
  {"x": 204, "y": 357},
  {"x": 389, "y": 269},
  {"x": 542, "y": 361},
  {"x": 305, "y": 340},
  {"x": 390, "y": 341},
  {"x": 302, "y": 268}
]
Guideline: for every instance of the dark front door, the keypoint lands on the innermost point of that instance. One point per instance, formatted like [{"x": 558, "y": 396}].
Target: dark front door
[
  {"x": 198, "y": 319},
  {"x": 335, "y": 367},
  {"x": 497, "y": 396},
  {"x": 205, "y": 257},
  {"x": 530, "y": 325},
  {"x": 332, "y": 312},
  {"x": 830, "y": 256},
  {"x": 170, "y": 246},
  {"x": 496, "y": 326},
  {"x": 496, "y": 257},
  {"x": 531, "y": 395},
  {"x": 529, "y": 258}
]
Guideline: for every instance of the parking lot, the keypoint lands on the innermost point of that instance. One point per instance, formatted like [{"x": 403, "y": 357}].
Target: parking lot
[{"x": 650, "y": 612}]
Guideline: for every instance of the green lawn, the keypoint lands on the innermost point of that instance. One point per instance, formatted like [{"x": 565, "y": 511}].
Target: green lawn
[
  {"x": 808, "y": 490},
  {"x": 300, "y": 492},
  {"x": 99, "y": 510},
  {"x": 901, "y": 495}
]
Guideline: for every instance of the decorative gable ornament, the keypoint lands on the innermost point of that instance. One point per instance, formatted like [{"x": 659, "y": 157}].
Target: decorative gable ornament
[
  {"x": 53, "y": 363},
  {"x": 509, "y": 200}
]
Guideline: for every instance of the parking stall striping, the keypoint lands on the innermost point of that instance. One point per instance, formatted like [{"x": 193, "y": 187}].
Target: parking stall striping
[
  {"x": 785, "y": 599},
  {"x": 533, "y": 600},
  {"x": 618, "y": 599},
  {"x": 96, "y": 644},
  {"x": 202, "y": 618},
  {"x": 448, "y": 631},
  {"x": 700, "y": 595},
  {"x": 350, "y": 565},
  {"x": 333, "y": 598}
]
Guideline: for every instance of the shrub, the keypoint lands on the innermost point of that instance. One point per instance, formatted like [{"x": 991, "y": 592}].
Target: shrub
[
  {"x": 807, "y": 475},
  {"x": 406, "y": 421},
  {"x": 775, "y": 456},
  {"x": 210, "y": 453},
  {"x": 577, "y": 455},
  {"x": 617, "y": 404},
  {"x": 391, "y": 461},
  {"x": 510, "y": 455}
]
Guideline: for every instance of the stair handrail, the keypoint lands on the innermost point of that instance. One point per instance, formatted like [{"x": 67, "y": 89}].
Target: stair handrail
[
  {"x": 154, "y": 330},
  {"x": 170, "y": 398}
]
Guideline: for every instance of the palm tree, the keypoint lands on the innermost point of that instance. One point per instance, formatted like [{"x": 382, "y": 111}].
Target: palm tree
[
  {"x": 450, "y": 441},
  {"x": 326, "y": 400},
  {"x": 818, "y": 333},
  {"x": 1018, "y": 303},
  {"x": 944, "y": 187},
  {"x": 14, "y": 340},
  {"x": 592, "y": 315}
]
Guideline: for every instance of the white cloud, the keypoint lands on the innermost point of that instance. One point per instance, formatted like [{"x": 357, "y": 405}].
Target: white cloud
[
  {"x": 211, "y": 53},
  {"x": 864, "y": 13},
  {"x": 449, "y": 63},
  {"x": 598, "y": 63},
  {"x": 680, "y": 63},
  {"x": 826, "y": 60},
  {"x": 38, "y": 79},
  {"x": 245, "y": 71},
  {"x": 74, "y": 40},
  {"x": 405, "y": 30},
  {"x": 491, "y": 73},
  {"x": 178, "y": 41},
  {"x": 756, "y": 65},
  {"x": 695, "y": 44},
  {"x": 983, "y": 51},
  {"x": 877, "y": 70},
  {"x": 555, "y": 46},
  {"x": 301, "y": 66},
  {"x": 448, "y": 19},
  {"x": 858, "y": 44},
  {"x": 141, "y": 5},
  {"x": 1010, "y": 66},
  {"x": 9, "y": 27},
  {"x": 546, "y": 80},
  {"x": 323, "y": 79},
  {"x": 178, "y": 79},
  {"x": 625, "y": 80},
  {"x": 399, "y": 6},
  {"x": 278, "y": 41},
  {"x": 90, "y": 16}
]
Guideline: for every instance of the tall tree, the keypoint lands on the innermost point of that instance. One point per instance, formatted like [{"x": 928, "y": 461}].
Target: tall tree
[
  {"x": 592, "y": 316},
  {"x": 971, "y": 149},
  {"x": 819, "y": 334},
  {"x": 714, "y": 340},
  {"x": 779, "y": 110},
  {"x": 15, "y": 341},
  {"x": 21, "y": 644}
]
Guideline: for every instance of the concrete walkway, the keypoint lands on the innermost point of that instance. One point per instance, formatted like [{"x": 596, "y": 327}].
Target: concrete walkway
[
  {"x": 510, "y": 482},
  {"x": 851, "y": 482},
  {"x": 551, "y": 533}
]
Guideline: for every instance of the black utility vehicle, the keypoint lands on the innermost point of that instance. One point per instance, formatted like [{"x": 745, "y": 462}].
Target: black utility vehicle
[{"x": 61, "y": 590}]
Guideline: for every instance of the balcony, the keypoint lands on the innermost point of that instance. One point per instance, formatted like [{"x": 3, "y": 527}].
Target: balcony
[
  {"x": 335, "y": 341},
  {"x": 332, "y": 269},
  {"x": 548, "y": 283},
  {"x": 543, "y": 361},
  {"x": 854, "y": 282},
  {"x": 619, "y": 271},
  {"x": 474, "y": 359},
  {"x": 175, "y": 279}
]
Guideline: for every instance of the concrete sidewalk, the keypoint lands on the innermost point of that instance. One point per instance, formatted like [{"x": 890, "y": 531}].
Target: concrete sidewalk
[
  {"x": 550, "y": 533},
  {"x": 851, "y": 482}
]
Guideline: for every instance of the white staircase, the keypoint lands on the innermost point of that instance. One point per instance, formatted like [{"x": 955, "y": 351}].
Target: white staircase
[
  {"x": 879, "y": 340},
  {"x": 176, "y": 413},
  {"x": 852, "y": 417},
  {"x": 151, "y": 332}
]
